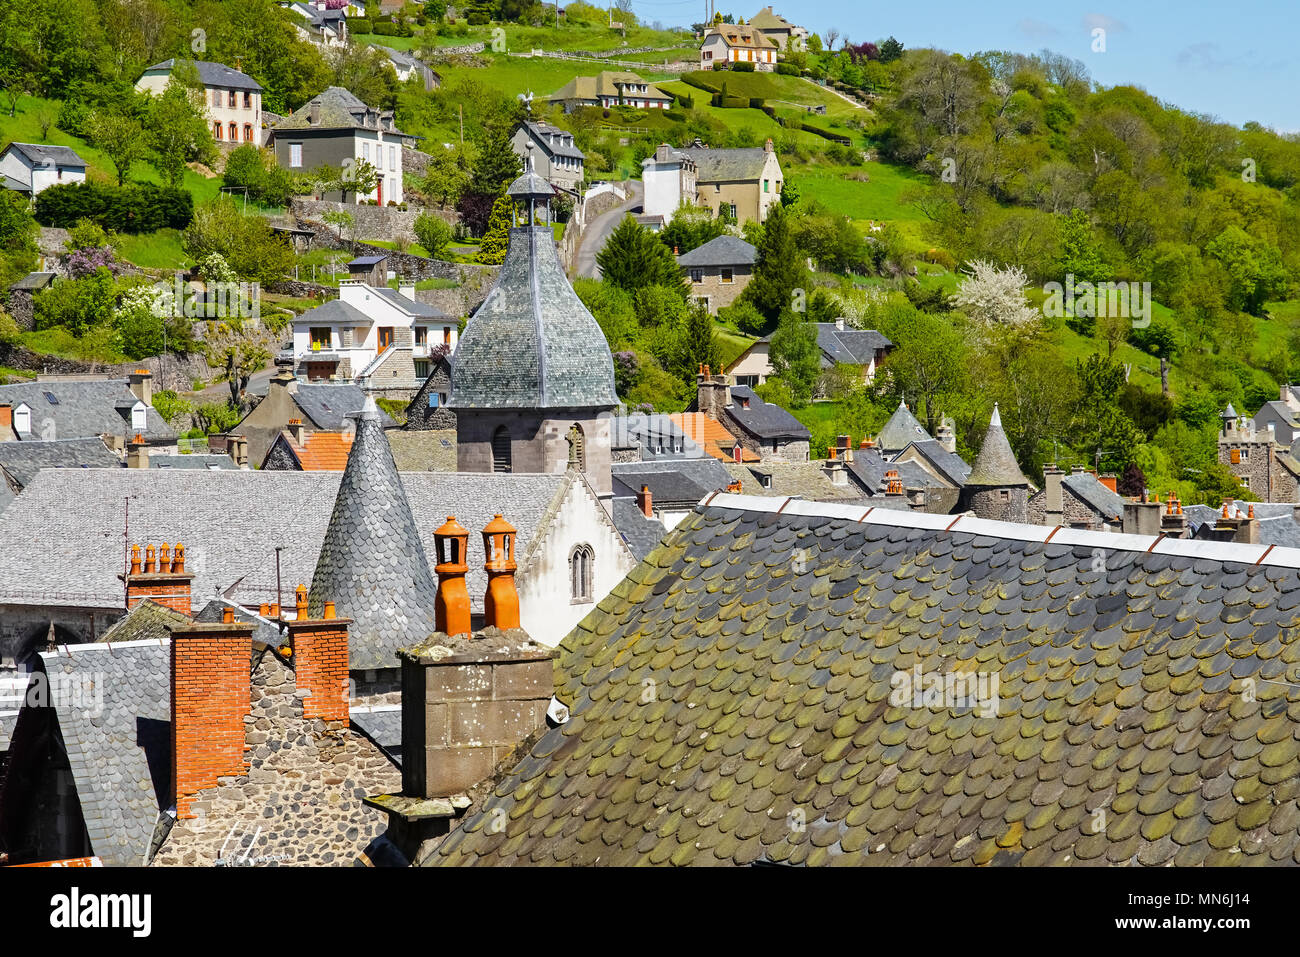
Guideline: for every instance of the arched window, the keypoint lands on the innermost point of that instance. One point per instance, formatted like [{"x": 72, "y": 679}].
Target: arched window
[
  {"x": 501, "y": 450},
  {"x": 234, "y": 131},
  {"x": 580, "y": 563},
  {"x": 578, "y": 447}
]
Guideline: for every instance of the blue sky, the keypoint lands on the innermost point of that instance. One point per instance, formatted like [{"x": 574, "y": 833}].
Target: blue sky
[{"x": 1237, "y": 61}]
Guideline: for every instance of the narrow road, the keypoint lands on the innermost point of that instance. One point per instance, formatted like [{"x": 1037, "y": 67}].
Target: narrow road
[{"x": 598, "y": 230}]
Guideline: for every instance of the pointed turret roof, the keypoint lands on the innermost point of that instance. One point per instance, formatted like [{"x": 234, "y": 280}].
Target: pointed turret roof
[
  {"x": 532, "y": 344},
  {"x": 901, "y": 430},
  {"x": 371, "y": 564},
  {"x": 996, "y": 464}
]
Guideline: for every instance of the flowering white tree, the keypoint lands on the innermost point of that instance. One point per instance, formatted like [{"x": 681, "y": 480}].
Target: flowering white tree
[{"x": 994, "y": 296}]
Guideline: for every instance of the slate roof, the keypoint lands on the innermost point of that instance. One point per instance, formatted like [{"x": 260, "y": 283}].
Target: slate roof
[
  {"x": 869, "y": 467},
  {"x": 640, "y": 533},
  {"x": 383, "y": 725},
  {"x": 414, "y": 307},
  {"x": 213, "y": 74},
  {"x": 674, "y": 482},
  {"x": 720, "y": 251},
  {"x": 193, "y": 460},
  {"x": 427, "y": 450},
  {"x": 327, "y": 406},
  {"x": 765, "y": 420},
  {"x": 372, "y": 563},
  {"x": 804, "y": 480},
  {"x": 606, "y": 83},
  {"x": 120, "y": 751},
  {"x": 741, "y": 36},
  {"x": 230, "y": 523},
  {"x": 902, "y": 429},
  {"x": 22, "y": 460},
  {"x": 335, "y": 310},
  {"x": 34, "y": 281},
  {"x": 532, "y": 344},
  {"x": 147, "y": 621},
  {"x": 83, "y": 408},
  {"x": 996, "y": 464},
  {"x": 8, "y": 720},
  {"x": 854, "y": 346},
  {"x": 541, "y": 134},
  {"x": 1095, "y": 495},
  {"x": 727, "y": 165},
  {"x": 47, "y": 154},
  {"x": 655, "y": 434},
  {"x": 339, "y": 109},
  {"x": 1120, "y": 686}
]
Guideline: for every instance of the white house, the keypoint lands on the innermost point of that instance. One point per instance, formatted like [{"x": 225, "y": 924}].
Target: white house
[
  {"x": 374, "y": 336},
  {"x": 726, "y": 43},
  {"x": 233, "y": 99},
  {"x": 326, "y": 28},
  {"x": 31, "y": 167}
]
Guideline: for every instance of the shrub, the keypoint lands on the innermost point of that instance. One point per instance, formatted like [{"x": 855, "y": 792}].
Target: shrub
[
  {"x": 170, "y": 405},
  {"x": 134, "y": 208},
  {"x": 720, "y": 65},
  {"x": 740, "y": 66},
  {"x": 478, "y": 18},
  {"x": 360, "y": 27},
  {"x": 787, "y": 69},
  {"x": 745, "y": 317},
  {"x": 385, "y": 29},
  {"x": 731, "y": 102}
]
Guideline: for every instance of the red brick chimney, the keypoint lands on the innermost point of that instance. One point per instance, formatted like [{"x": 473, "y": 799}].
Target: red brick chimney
[
  {"x": 501, "y": 603},
  {"x": 451, "y": 609},
  {"x": 645, "y": 502},
  {"x": 320, "y": 660},
  {"x": 210, "y": 698},
  {"x": 6, "y": 422},
  {"x": 163, "y": 578}
]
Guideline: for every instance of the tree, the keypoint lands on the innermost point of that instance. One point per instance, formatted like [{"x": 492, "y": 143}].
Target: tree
[
  {"x": 699, "y": 342},
  {"x": 496, "y": 164},
  {"x": 358, "y": 177},
  {"x": 18, "y": 232},
  {"x": 246, "y": 242},
  {"x": 340, "y": 221},
  {"x": 121, "y": 138},
  {"x": 1255, "y": 269},
  {"x": 446, "y": 177},
  {"x": 433, "y": 233},
  {"x": 496, "y": 241},
  {"x": 795, "y": 356},
  {"x": 994, "y": 296},
  {"x": 237, "y": 363},
  {"x": 76, "y": 304},
  {"x": 177, "y": 124},
  {"x": 692, "y": 226},
  {"x": 633, "y": 258},
  {"x": 929, "y": 361},
  {"x": 779, "y": 267},
  {"x": 890, "y": 50},
  {"x": 831, "y": 36},
  {"x": 1080, "y": 253},
  {"x": 365, "y": 72}
]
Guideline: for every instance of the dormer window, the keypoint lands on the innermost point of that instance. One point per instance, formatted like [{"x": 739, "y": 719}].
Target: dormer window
[
  {"x": 23, "y": 419},
  {"x": 139, "y": 417}
]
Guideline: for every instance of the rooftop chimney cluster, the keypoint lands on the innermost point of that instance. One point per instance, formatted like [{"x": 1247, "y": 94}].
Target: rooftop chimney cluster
[
  {"x": 161, "y": 577},
  {"x": 501, "y": 601}
]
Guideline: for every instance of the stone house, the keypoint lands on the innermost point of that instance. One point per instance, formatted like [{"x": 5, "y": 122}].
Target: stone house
[
  {"x": 863, "y": 349},
  {"x": 759, "y": 427},
  {"x": 719, "y": 270},
  {"x": 337, "y": 130},
  {"x": 1078, "y": 499},
  {"x": 777, "y": 28},
  {"x": 1260, "y": 461},
  {"x": 29, "y": 168},
  {"x": 429, "y": 409},
  {"x": 233, "y": 100},
  {"x": 730, "y": 43},
  {"x": 611, "y": 88},
  {"x": 319, "y": 25},
  {"x": 77, "y": 406},
  {"x": 741, "y": 184},
  {"x": 21, "y": 303},
  {"x": 555, "y": 158}
]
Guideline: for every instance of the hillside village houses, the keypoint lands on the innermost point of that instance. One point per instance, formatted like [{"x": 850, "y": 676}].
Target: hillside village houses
[
  {"x": 727, "y": 43},
  {"x": 233, "y": 99},
  {"x": 336, "y": 129},
  {"x": 31, "y": 167},
  {"x": 555, "y": 157},
  {"x": 840, "y": 344},
  {"x": 611, "y": 88},
  {"x": 323, "y": 26},
  {"x": 741, "y": 184},
  {"x": 719, "y": 271}
]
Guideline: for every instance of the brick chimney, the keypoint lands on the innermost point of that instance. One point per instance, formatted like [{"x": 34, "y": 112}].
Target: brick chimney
[
  {"x": 1054, "y": 499},
  {"x": 893, "y": 484},
  {"x": 162, "y": 578},
  {"x": 1110, "y": 480},
  {"x": 735, "y": 487},
  {"x": 501, "y": 602},
  {"x": 137, "y": 453},
  {"x": 296, "y": 432},
  {"x": 645, "y": 502},
  {"x": 142, "y": 385},
  {"x": 833, "y": 468},
  {"x": 451, "y": 608},
  {"x": 7, "y": 422},
  {"x": 209, "y": 701},
  {"x": 320, "y": 660}
]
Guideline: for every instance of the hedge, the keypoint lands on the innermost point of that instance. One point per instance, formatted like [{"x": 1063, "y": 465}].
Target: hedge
[
  {"x": 360, "y": 26},
  {"x": 787, "y": 69},
  {"x": 731, "y": 102},
  {"x": 700, "y": 84},
  {"x": 134, "y": 208},
  {"x": 826, "y": 134},
  {"x": 756, "y": 102},
  {"x": 742, "y": 66},
  {"x": 386, "y": 29},
  {"x": 685, "y": 102}
]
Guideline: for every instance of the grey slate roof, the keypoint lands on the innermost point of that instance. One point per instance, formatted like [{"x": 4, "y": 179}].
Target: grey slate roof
[
  {"x": 804, "y": 480},
  {"x": 230, "y": 523},
  {"x": 1119, "y": 685},
  {"x": 764, "y": 419},
  {"x": 656, "y": 434},
  {"x": 192, "y": 461},
  {"x": 383, "y": 725},
  {"x": 902, "y": 429},
  {"x": 640, "y": 533},
  {"x": 853, "y": 346},
  {"x": 327, "y": 406},
  {"x": 213, "y": 74},
  {"x": 340, "y": 109},
  {"x": 335, "y": 310},
  {"x": 119, "y": 752},
  {"x": 147, "y": 621},
  {"x": 541, "y": 134},
  {"x": 34, "y": 280},
  {"x": 996, "y": 464},
  {"x": 83, "y": 408},
  {"x": 727, "y": 165},
  {"x": 8, "y": 719},
  {"x": 367, "y": 261},
  {"x": 372, "y": 564},
  {"x": 1095, "y": 495},
  {"x": 43, "y": 154},
  {"x": 949, "y": 464},
  {"x": 532, "y": 344},
  {"x": 22, "y": 460},
  {"x": 674, "y": 482},
  {"x": 416, "y": 308},
  {"x": 720, "y": 251}
]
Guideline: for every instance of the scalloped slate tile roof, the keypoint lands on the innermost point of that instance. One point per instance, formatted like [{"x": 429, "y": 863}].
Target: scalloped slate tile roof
[
  {"x": 772, "y": 642},
  {"x": 83, "y": 408},
  {"x": 902, "y": 429}
]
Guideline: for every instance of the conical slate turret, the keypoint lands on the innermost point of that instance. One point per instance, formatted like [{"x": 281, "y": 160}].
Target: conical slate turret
[
  {"x": 996, "y": 464},
  {"x": 901, "y": 430},
  {"x": 371, "y": 564}
]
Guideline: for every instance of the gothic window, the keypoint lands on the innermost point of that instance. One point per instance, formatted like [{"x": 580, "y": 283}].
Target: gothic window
[
  {"x": 580, "y": 562},
  {"x": 501, "y": 450}
]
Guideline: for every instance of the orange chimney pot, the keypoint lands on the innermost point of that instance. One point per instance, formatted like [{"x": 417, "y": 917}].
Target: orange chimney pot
[
  {"x": 501, "y": 602},
  {"x": 451, "y": 608}
]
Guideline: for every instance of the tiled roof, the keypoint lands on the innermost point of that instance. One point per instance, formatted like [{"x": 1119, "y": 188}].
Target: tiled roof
[
  {"x": 762, "y": 419},
  {"x": 655, "y": 434},
  {"x": 532, "y": 344},
  {"x": 322, "y": 451},
  {"x": 431, "y": 450},
  {"x": 78, "y": 409},
  {"x": 327, "y": 406},
  {"x": 119, "y": 750},
  {"x": 46, "y": 153},
  {"x": 335, "y": 310},
  {"x": 22, "y": 460},
  {"x": 372, "y": 563},
  {"x": 230, "y": 523},
  {"x": 1095, "y": 495},
  {"x": 854, "y": 346},
  {"x": 720, "y": 251},
  {"x": 213, "y": 74},
  {"x": 778, "y": 728},
  {"x": 707, "y": 432},
  {"x": 996, "y": 463},
  {"x": 742, "y": 164},
  {"x": 901, "y": 430},
  {"x": 640, "y": 533},
  {"x": 606, "y": 83},
  {"x": 741, "y": 36},
  {"x": 804, "y": 480},
  {"x": 674, "y": 481},
  {"x": 765, "y": 19}
]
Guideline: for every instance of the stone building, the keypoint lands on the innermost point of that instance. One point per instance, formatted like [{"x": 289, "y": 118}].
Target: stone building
[
  {"x": 429, "y": 410},
  {"x": 1078, "y": 499},
  {"x": 766, "y": 430},
  {"x": 555, "y": 157},
  {"x": 719, "y": 271},
  {"x": 1269, "y": 469},
  {"x": 996, "y": 488},
  {"x": 232, "y": 100},
  {"x": 534, "y": 381}
]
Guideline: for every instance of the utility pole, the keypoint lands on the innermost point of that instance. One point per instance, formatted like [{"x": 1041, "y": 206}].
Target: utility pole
[{"x": 460, "y": 109}]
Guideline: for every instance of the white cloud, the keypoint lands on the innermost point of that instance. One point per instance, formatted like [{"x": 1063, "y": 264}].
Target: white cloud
[
  {"x": 1037, "y": 29},
  {"x": 1095, "y": 21}
]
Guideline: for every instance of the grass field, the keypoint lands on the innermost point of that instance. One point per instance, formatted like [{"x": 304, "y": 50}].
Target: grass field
[
  {"x": 568, "y": 37},
  {"x": 160, "y": 250},
  {"x": 880, "y": 197},
  {"x": 731, "y": 344}
]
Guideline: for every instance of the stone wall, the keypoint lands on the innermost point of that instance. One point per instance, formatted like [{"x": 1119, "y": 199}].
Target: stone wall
[
  {"x": 372, "y": 222},
  {"x": 23, "y": 309},
  {"x": 300, "y": 803},
  {"x": 1076, "y": 512}
]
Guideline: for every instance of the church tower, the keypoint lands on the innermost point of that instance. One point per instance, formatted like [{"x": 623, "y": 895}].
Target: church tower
[{"x": 533, "y": 383}]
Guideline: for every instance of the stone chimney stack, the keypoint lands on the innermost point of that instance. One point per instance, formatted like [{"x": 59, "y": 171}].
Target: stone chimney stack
[
  {"x": 142, "y": 385},
  {"x": 296, "y": 432},
  {"x": 713, "y": 392},
  {"x": 1141, "y": 517},
  {"x": 833, "y": 468},
  {"x": 501, "y": 602},
  {"x": 320, "y": 660},
  {"x": 1173, "y": 523},
  {"x": 162, "y": 578},
  {"x": 452, "y": 605},
  {"x": 237, "y": 447},
  {"x": 1054, "y": 495},
  {"x": 137, "y": 453},
  {"x": 1248, "y": 528},
  {"x": 210, "y": 692},
  {"x": 313, "y": 112},
  {"x": 645, "y": 502},
  {"x": 845, "y": 445},
  {"x": 946, "y": 437}
]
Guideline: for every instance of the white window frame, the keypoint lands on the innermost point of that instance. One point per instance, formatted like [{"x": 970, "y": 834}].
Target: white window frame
[{"x": 295, "y": 156}]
